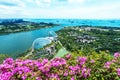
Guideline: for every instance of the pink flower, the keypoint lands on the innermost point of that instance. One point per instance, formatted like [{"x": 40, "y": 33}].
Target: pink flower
[
  {"x": 118, "y": 71},
  {"x": 55, "y": 76},
  {"x": 45, "y": 69},
  {"x": 73, "y": 68},
  {"x": 68, "y": 56},
  {"x": 66, "y": 73},
  {"x": 6, "y": 76},
  {"x": 37, "y": 63},
  {"x": 72, "y": 78},
  {"x": 85, "y": 72},
  {"x": 24, "y": 77},
  {"x": 8, "y": 61},
  {"x": 38, "y": 78},
  {"x": 58, "y": 62},
  {"x": 82, "y": 60},
  {"x": 44, "y": 61},
  {"x": 5, "y": 67},
  {"x": 117, "y": 54},
  {"x": 113, "y": 60},
  {"x": 107, "y": 65},
  {"x": 92, "y": 61},
  {"x": 72, "y": 72}
]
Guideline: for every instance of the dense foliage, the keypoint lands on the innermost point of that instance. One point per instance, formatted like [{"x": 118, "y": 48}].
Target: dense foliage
[
  {"x": 3, "y": 57},
  {"x": 105, "y": 39},
  {"x": 71, "y": 67}
]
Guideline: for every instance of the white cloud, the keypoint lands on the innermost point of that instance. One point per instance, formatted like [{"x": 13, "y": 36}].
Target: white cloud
[
  {"x": 60, "y": 9},
  {"x": 43, "y": 3},
  {"x": 29, "y": 0},
  {"x": 38, "y": 2},
  {"x": 76, "y": 1},
  {"x": 10, "y": 11},
  {"x": 48, "y": 1},
  {"x": 17, "y": 2}
]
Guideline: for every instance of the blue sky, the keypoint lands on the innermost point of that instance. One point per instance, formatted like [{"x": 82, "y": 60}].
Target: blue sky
[{"x": 81, "y": 9}]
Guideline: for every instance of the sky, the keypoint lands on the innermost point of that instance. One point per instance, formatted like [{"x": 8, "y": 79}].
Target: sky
[{"x": 78, "y": 9}]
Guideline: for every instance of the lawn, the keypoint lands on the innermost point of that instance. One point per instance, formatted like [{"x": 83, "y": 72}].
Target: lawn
[{"x": 61, "y": 52}]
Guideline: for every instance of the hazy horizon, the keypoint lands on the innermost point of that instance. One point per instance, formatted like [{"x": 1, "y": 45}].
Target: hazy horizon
[{"x": 67, "y": 18}]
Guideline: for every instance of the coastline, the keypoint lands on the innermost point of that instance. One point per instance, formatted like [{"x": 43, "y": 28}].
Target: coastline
[
  {"x": 19, "y": 25},
  {"x": 7, "y": 33}
]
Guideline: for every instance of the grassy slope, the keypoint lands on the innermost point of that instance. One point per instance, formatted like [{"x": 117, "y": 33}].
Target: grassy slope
[{"x": 61, "y": 52}]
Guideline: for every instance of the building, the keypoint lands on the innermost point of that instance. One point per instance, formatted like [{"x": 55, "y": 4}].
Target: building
[{"x": 85, "y": 39}]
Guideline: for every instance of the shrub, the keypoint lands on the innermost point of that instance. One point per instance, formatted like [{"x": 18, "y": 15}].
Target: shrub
[{"x": 70, "y": 67}]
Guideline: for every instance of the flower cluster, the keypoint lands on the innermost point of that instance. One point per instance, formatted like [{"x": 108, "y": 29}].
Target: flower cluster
[
  {"x": 117, "y": 55},
  {"x": 68, "y": 68},
  {"x": 115, "y": 60},
  {"x": 118, "y": 71}
]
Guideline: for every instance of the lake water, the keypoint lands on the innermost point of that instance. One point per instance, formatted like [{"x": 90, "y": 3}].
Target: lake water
[{"x": 18, "y": 43}]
